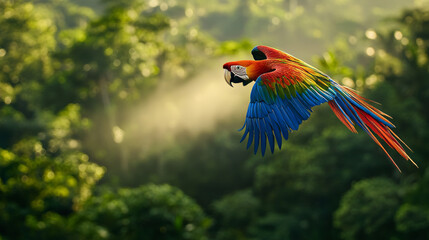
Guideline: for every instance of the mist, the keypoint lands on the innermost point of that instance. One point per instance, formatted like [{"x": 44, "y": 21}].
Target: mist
[{"x": 194, "y": 107}]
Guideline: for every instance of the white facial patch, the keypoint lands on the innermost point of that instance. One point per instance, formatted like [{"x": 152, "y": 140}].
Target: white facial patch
[{"x": 239, "y": 71}]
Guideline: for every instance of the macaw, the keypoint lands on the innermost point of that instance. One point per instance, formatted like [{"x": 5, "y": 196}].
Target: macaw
[{"x": 285, "y": 90}]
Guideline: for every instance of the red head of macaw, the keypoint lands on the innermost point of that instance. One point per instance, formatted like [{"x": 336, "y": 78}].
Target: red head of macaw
[{"x": 286, "y": 89}]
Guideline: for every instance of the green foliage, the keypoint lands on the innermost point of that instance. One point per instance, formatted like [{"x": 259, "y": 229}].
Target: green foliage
[
  {"x": 53, "y": 69},
  {"x": 212, "y": 172},
  {"x": 39, "y": 192},
  {"x": 237, "y": 211},
  {"x": 74, "y": 73},
  {"x": 413, "y": 220},
  {"x": 147, "y": 212},
  {"x": 238, "y": 207},
  {"x": 104, "y": 56},
  {"x": 367, "y": 210},
  {"x": 23, "y": 52},
  {"x": 233, "y": 47},
  {"x": 44, "y": 180}
]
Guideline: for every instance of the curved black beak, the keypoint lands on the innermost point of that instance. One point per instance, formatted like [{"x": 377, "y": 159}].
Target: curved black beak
[{"x": 232, "y": 78}]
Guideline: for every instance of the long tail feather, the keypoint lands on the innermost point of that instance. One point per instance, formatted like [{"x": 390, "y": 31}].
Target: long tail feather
[{"x": 353, "y": 109}]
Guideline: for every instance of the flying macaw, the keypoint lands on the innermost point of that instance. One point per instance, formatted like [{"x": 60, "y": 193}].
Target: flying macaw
[{"x": 286, "y": 89}]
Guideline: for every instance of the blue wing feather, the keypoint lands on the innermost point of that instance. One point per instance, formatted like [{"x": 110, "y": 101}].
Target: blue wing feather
[
  {"x": 263, "y": 136},
  {"x": 257, "y": 131},
  {"x": 272, "y": 116}
]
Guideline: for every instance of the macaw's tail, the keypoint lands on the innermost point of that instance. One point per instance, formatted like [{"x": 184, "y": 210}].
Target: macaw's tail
[{"x": 353, "y": 109}]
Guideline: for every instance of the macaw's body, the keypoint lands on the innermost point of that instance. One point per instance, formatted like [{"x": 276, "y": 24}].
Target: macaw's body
[{"x": 286, "y": 89}]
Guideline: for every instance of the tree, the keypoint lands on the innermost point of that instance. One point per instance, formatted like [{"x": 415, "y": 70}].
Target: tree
[
  {"x": 45, "y": 181},
  {"x": 147, "y": 212},
  {"x": 367, "y": 210},
  {"x": 237, "y": 212}
]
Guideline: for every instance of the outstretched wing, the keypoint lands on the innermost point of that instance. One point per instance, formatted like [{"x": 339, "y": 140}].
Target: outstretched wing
[{"x": 280, "y": 100}]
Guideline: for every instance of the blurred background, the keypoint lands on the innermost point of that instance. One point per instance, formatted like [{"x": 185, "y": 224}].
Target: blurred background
[{"x": 116, "y": 122}]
